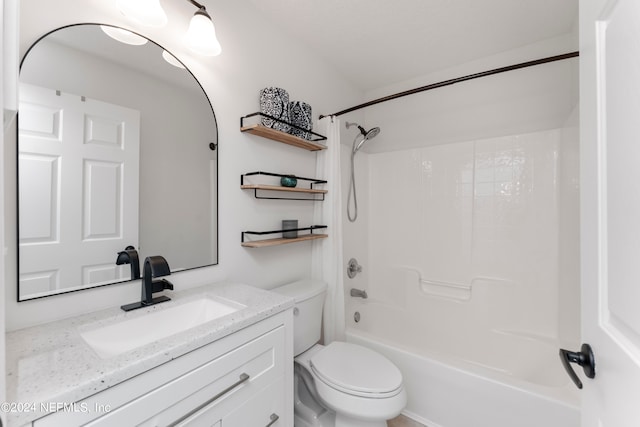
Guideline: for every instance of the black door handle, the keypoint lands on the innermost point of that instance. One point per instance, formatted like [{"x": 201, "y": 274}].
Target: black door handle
[{"x": 583, "y": 358}]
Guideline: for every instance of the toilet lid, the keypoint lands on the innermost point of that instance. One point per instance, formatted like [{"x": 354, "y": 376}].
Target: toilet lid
[{"x": 356, "y": 370}]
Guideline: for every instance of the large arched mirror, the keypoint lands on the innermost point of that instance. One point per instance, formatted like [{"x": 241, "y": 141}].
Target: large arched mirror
[{"x": 116, "y": 148}]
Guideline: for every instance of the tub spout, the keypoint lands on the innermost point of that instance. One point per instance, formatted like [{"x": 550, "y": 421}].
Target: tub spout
[{"x": 360, "y": 293}]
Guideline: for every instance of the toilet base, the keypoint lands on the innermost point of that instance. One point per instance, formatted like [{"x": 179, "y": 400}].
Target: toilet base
[
  {"x": 307, "y": 412},
  {"x": 344, "y": 421},
  {"x": 326, "y": 419},
  {"x": 329, "y": 419}
]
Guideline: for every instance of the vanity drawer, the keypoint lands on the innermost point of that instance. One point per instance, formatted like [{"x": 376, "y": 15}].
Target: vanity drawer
[
  {"x": 235, "y": 375},
  {"x": 165, "y": 394},
  {"x": 264, "y": 408},
  {"x": 245, "y": 375}
]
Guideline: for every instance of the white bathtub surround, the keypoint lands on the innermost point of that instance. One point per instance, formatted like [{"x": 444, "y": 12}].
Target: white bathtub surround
[
  {"x": 327, "y": 258},
  {"x": 467, "y": 280},
  {"x": 52, "y": 363},
  {"x": 483, "y": 216}
]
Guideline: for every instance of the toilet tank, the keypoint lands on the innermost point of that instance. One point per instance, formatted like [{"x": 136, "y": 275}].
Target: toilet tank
[{"x": 309, "y": 297}]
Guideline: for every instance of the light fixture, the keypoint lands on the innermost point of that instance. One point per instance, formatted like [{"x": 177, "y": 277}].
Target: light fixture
[
  {"x": 201, "y": 35},
  {"x": 123, "y": 36},
  {"x": 172, "y": 59},
  {"x": 145, "y": 12}
]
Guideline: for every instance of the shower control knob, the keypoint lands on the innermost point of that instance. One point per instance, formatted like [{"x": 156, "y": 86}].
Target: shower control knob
[
  {"x": 353, "y": 268},
  {"x": 584, "y": 358}
]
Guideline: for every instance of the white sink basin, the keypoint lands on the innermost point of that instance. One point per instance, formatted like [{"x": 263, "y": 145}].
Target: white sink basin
[{"x": 120, "y": 337}]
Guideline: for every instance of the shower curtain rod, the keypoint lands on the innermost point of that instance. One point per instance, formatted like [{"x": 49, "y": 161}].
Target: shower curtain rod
[{"x": 458, "y": 80}]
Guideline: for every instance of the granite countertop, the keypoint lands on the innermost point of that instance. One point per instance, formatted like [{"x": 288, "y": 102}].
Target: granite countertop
[{"x": 51, "y": 363}]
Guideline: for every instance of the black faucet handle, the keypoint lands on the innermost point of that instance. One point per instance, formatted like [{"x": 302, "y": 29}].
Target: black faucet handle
[
  {"x": 159, "y": 266},
  {"x": 161, "y": 285}
]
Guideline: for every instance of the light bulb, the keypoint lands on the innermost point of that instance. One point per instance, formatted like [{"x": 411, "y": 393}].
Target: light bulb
[
  {"x": 123, "y": 36},
  {"x": 201, "y": 35},
  {"x": 172, "y": 59},
  {"x": 144, "y": 12}
]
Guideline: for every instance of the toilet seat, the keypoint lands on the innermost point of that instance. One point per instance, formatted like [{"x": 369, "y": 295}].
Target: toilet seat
[
  {"x": 344, "y": 400},
  {"x": 357, "y": 371}
]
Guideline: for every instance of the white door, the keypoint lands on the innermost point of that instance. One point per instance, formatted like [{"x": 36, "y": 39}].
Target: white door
[
  {"x": 78, "y": 189},
  {"x": 610, "y": 209}
]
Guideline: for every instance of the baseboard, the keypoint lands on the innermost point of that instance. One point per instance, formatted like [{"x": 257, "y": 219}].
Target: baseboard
[{"x": 419, "y": 419}]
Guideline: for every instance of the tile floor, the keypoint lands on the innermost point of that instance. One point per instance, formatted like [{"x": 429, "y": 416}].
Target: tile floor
[{"x": 402, "y": 421}]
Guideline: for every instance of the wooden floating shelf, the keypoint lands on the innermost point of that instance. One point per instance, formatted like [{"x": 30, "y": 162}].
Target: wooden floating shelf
[
  {"x": 283, "y": 137},
  {"x": 282, "y": 241},
  {"x": 277, "y": 188}
]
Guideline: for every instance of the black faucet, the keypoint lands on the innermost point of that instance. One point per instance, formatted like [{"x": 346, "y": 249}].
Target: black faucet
[
  {"x": 154, "y": 266},
  {"x": 130, "y": 256}
]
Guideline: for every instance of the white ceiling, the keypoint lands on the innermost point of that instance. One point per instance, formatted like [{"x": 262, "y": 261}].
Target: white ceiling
[{"x": 375, "y": 43}]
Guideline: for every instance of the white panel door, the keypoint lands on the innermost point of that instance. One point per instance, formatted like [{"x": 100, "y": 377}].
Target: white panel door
[
  {"x": 610, "y": 209},
  {"x": 78, "y": 189}
]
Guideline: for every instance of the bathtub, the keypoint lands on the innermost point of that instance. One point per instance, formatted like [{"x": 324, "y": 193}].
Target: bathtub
[{"x": 498, "y": 378}]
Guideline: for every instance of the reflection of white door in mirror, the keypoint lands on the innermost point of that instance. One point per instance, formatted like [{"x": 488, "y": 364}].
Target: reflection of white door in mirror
[
  {"x": 176, "y": 128},
  {"x": 78, "y": 194}
]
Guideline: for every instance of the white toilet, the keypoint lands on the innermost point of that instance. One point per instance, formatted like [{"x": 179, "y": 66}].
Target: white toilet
[{"x": 341, "y": 384}]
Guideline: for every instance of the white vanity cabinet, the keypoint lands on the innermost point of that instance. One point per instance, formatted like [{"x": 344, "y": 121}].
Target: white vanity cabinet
[{"x": 242, "y": 380}]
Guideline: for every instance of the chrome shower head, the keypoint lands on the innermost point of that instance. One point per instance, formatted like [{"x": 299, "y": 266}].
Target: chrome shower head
[
  {"x": 367, "y": 135},
  {"x": 373, "y": 132}
]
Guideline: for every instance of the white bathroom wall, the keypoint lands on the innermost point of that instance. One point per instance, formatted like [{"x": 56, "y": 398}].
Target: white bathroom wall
[
  {"x": 569, "y": 234},
  {"x": 255, "y": 55},
  {"x": 511, "y": 103},
  {"x": 475, "y": 184},
  {"x": 8, "y": 99}
]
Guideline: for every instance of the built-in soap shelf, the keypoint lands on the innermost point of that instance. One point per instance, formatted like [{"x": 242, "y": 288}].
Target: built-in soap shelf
[
  {"x": 276, "y": 135},
  {"x": 455, "y": 291},
  {"x": 316, "y": 194},
  {"x": 282, "y": 241},
  {"x": 437, "y": 288}
]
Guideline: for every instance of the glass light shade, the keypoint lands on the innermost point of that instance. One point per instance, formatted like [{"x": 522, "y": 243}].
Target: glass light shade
[
  {"x": 201, "y": 35},
  {"x": 171, "y": 59},
  {"x": 144, "y": 12},
  {"x": 123, "y": 36}
]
